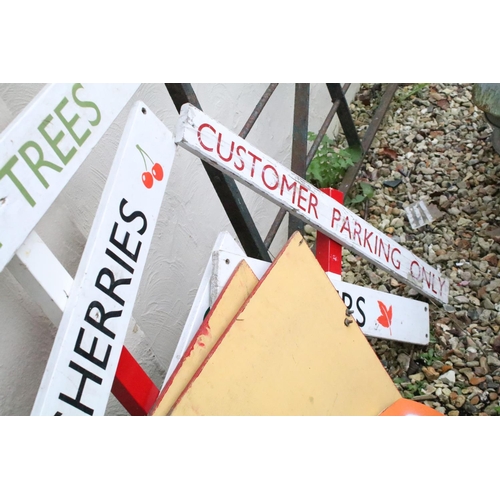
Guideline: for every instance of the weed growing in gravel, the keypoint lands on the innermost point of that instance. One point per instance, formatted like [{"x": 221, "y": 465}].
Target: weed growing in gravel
[
  {"x": 329, "y": 165},
  {"x": 402, "y": 96},
  {"x": 429, "y": 357},
  {"x": 365, "y": 192}
]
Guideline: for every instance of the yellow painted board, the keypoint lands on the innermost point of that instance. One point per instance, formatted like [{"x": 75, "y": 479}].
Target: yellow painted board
[
  {"x": 238, "y": 288},
  {"x": 288, "y": 352}
]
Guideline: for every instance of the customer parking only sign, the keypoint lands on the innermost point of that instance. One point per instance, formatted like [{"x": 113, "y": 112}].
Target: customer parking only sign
[{"x": 239, "y": 159}]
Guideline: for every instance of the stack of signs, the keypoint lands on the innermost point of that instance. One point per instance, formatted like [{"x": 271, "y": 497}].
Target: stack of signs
[
  {"x": 291, "y": 348},
  {"x": 378, "y": 314}
]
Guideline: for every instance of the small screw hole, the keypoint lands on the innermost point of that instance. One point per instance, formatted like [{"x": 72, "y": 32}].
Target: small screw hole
[
  {"x": 227, "y": 261},
  {"x": 143, "y": 111}
]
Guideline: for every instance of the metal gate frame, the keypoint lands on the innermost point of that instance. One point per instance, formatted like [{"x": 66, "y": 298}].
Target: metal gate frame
[{"x": 228, "y": 191}]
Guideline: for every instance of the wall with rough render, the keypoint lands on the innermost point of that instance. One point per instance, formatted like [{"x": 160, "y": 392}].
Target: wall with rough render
[{"x": 190, "y": 220}]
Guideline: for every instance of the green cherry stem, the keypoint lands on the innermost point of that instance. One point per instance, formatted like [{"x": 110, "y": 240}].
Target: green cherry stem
[{"x": 142, "y": 154}]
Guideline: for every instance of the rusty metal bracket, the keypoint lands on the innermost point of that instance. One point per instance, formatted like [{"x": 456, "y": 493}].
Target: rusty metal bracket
[
  {"x": 299, "y": 143},
  {"x": 350, "y": 176},
  {"x": 226, "y": 187},
  {"x": 345, "y": 116}
]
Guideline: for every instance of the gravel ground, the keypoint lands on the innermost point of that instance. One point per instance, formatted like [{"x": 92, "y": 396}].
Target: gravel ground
[{"x": 437, "y": 145}]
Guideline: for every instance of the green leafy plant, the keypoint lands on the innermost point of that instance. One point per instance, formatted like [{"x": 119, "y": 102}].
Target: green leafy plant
[
  {"x": 412, "y": 389},
  {"x": 329, "y": 163},
  {"x": 429, "y": 357},
  {"x": 415, "y": 89},
  {"x": 365, "y": 192},
  {"x": 497, "y": 410},
  {"x": 432, "y": 338}
]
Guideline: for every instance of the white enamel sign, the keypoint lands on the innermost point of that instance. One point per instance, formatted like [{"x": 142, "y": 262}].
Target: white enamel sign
[
  {"x": 237, "y": 158},
  {"x": 88, "y": 344},
  {"x": 44, "y": 146},
  {"x": 378, "y": 314}
]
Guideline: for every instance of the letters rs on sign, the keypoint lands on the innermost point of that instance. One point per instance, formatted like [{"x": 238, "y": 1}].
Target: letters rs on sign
[
  {"x": 88, "y": 344},
  {"x": 44, "y": 146},
  {"x": 237, "y": 158}
]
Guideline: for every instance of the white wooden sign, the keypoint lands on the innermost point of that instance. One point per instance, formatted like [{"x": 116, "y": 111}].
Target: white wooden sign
[
  {"x": 88, "y": 344},
  {"x": 237, "y": 158},
  {"x": 44, "y": 146},
  {"x": 384, "y": 315},
  {"x": 378, "y": 314}
]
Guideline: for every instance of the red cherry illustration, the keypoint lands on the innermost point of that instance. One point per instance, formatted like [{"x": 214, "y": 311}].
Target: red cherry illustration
[
  {"x": 147, "y": 179},
  {"x": 157, "y": 171}
]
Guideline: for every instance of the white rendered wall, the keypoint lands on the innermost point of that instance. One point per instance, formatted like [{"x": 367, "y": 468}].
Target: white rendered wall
[{"x": 190, "y": 220}]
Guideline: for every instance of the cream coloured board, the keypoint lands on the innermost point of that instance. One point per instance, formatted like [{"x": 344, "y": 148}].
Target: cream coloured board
[
  {"x": 289, "y": 352},
  {"x": 238, "y": 288}
]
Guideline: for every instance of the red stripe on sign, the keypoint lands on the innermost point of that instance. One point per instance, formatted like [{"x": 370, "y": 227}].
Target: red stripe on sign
[{"x": 132, "y": 386}]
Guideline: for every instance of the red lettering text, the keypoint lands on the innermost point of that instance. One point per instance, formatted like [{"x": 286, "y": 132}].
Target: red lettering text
[
  {"x": 313, "y": 203},
  {"x": 346, "y": 226},
  {"x": 395, "y": 263},
  {"x": 301, "y": 197},
  {"x": 255, "y": 157},
  {"x": 381, "y": 248},
  {"x": 357, "y": 232},
  {"x": 219, "y": 141},
  {"x": 335, "y": 216},
  {"x": 284, "y": 184},
  {"x": 200, "y": 128},
  {"x": 417, "y": 277},
  {"x": 242, "y": 166},
  {"x": 273, "y": 177},
  {"x": 366, "y": 240}
]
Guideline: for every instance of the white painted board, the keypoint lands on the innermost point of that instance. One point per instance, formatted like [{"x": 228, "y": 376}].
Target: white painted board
[
  {"x": 82, "y": 364},
  {"x": 44, "y": 146},
  {"x": 208, "y": 139},
  {"x": 37, "y": 269},
  {"x": 378, "y": 314},
  {"x": 384, "y": 315}
]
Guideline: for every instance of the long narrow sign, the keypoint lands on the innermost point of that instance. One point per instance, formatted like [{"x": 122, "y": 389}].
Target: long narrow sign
[
  {"x": 87, "y": 347},
  {"x": 378, "y": 314},
  {"x": 44, "y": 146},
  {"x": 228, "y": 152}
]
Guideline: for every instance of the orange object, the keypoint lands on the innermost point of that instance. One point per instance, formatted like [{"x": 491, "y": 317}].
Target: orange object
[{"x": 408, "y": 408}]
